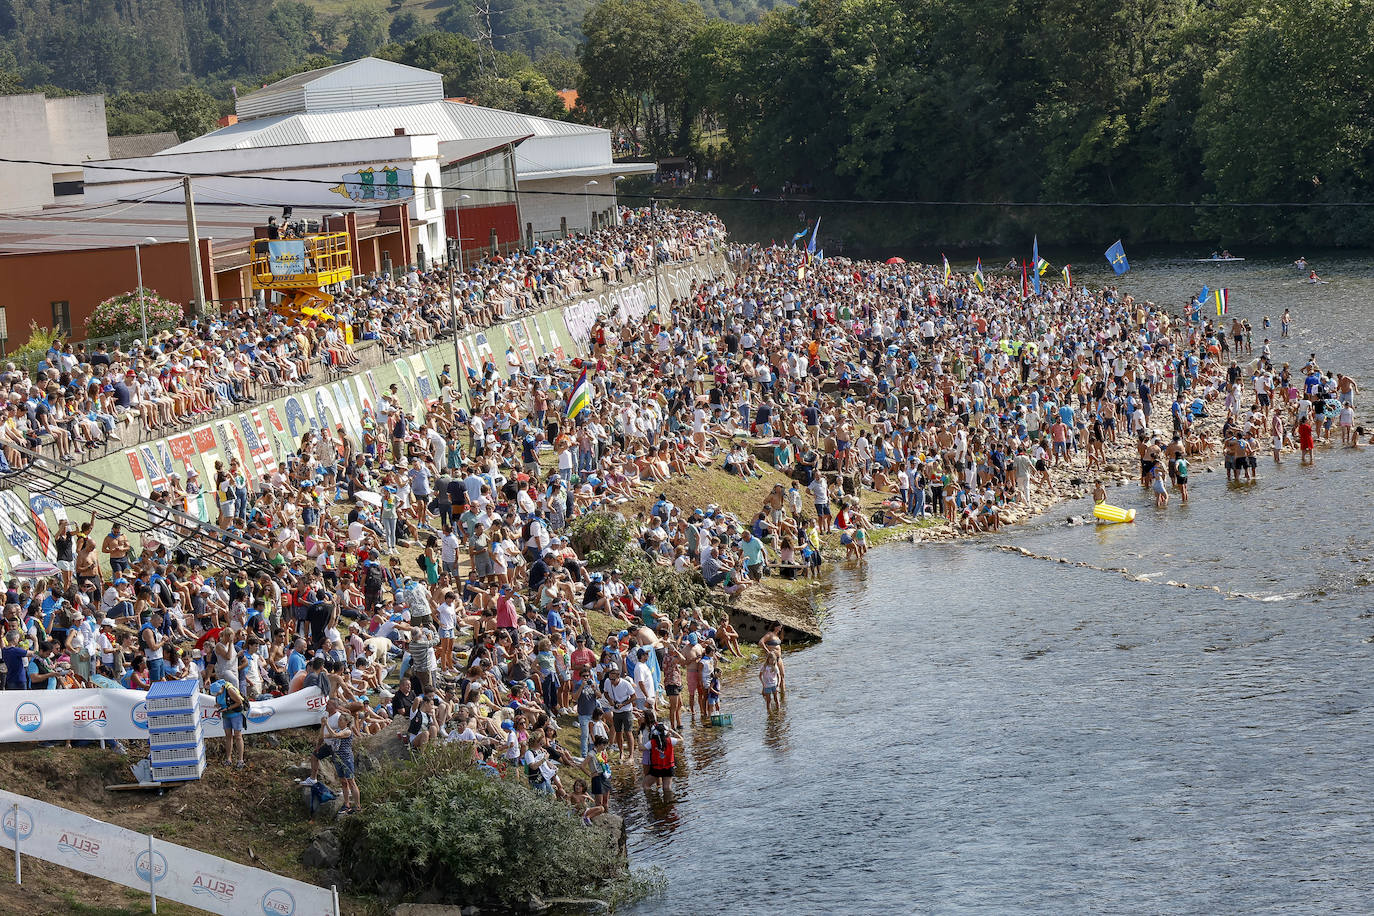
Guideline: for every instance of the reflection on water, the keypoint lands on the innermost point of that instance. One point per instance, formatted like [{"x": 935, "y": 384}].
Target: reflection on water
[{"x": 982, "y": 731}]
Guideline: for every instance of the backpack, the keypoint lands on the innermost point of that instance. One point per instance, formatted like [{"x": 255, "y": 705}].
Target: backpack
[{"x": 660, "y": 752}]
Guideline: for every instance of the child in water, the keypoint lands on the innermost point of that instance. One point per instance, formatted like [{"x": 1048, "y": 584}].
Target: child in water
[
  {"x": 713, "y": 693},
  {"x": 768, "y": 677}
]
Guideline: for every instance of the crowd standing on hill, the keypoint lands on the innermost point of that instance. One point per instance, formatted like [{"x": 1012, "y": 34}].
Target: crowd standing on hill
[{"x": 422, "y": 572}]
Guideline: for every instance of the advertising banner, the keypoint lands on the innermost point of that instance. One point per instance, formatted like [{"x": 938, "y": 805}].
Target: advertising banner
[
  {"x": 95, "y": 713},
  {"x": 154, "y": 866},
  {"x": 287, "y": 259}
]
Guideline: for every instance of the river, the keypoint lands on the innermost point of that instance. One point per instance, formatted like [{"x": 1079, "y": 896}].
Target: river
[{"x": 981, "y": 731}]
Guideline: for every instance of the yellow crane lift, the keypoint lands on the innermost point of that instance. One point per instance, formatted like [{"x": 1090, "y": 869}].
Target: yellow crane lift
[{"x": 300, "y": 269}]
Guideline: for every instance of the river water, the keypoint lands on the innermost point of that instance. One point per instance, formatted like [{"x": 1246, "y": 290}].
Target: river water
[{"x": 981, "y": 731}]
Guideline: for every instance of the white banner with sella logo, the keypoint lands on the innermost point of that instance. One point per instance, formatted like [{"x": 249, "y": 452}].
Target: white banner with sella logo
[
  {"x": 170, "y": 871},
  {"x": 94, "y": 713}
]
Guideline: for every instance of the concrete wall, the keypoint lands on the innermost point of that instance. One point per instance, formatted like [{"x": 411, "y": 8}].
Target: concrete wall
[
  {"x": 24, "y": 135},
  {"x": 264, "y": 436}
]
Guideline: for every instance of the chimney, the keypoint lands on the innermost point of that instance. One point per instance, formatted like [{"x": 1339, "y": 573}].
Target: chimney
[{"x": 399, "y": 131}]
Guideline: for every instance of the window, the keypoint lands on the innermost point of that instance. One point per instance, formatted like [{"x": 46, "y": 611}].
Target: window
[
  {"x": 431, "y": 194},
  {"x": 62, "y": 316}
]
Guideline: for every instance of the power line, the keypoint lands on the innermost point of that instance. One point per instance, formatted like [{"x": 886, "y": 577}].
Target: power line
[{"x": 754, "y": 198}]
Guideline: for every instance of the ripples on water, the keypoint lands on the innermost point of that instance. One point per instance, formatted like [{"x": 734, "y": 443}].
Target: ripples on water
[{"x": 981, "y": 731}]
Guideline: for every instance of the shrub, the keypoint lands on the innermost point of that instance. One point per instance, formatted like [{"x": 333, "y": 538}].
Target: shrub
[
  {"x": 439, "y": 826},
  {"x": 122, "y": 314},
  {"x": 600, "y": 537}
]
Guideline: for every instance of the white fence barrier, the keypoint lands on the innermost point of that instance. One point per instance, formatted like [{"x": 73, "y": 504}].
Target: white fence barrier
[
  {"x": 95, "y": 713},
  {"x": 163, "y": 869}
]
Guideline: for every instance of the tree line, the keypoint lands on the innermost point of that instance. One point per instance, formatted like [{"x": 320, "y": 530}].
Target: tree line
[{"x": 999, "y": 101}]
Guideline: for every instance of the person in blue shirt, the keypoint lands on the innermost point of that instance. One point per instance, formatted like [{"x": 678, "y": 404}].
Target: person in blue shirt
[
  {"x": 42, "y": 671},
  {"x": 16, "y": 659},
  {"x": 295, "y": 662}
]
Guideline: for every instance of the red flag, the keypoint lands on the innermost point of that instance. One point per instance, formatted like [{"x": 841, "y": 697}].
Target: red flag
[{"x": 1025, "y": 287}]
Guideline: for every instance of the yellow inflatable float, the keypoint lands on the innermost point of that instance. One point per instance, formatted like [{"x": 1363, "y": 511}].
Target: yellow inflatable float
[{"x": 1113, "y": 514}]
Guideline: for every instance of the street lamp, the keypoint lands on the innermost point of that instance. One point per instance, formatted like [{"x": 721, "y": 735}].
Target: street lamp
[
  {"x": 588, "y": 196},
  {"x": 142, "y": 303},
  {"x": 452, "y": 303}
]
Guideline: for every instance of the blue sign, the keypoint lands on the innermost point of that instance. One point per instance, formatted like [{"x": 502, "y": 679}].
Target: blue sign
[{"x": 287, "y": 258}]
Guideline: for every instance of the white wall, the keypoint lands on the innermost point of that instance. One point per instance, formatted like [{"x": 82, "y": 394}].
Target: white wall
[
  {"x": 24, "y": 135},
  {"x": 546, "y": 210}
]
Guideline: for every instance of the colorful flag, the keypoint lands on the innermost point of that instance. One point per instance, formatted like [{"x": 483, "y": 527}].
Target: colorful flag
[
  {"x": 978, "y": 277},
  {"x": 1068, "y": 277},
  {"x": 811, "y": 246},
  {"x": 1116, "y": 256},
  {"x": 946, "y": 260},
  {"x": 1041, "y": 265},
  {"x": 1025, "y": 287},
  {"x": 581, "y": 396},
  {"x": 1035, "y": 260},
  {"x": 1222, "y": 298},
  {"x": 799, "y": 236}
]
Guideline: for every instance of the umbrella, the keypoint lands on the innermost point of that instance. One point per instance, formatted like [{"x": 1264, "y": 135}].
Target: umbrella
[
  {"x": 207, "y": 636},
  {"x": 34, "y": 569},
  {"x": 895, "y": 261},
  {"x": 367, "y": 496}
]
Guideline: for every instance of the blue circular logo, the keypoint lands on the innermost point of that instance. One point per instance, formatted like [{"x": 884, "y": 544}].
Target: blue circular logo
[
  {"x": 139, "y": 715},
  {"x": 28, "y": 717},
  {"x": 278, "y": 902},
  {"x": 150, "y": 867},
  {"x": 18, "y": 822},
  {"x": 260, "y": 714}
]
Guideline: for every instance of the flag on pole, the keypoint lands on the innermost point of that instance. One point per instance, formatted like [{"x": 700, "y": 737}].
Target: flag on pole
[
  {"x": 799, "y": 236},
  {"x": 1025, "y": 287},
  {"x": 581, "y": 396},
  {"x": 1068, "y": 277},
  {"x": 1116, "y": 256},
  {"x": 947, "y": 272},
  {"x": 1035, "y": 261},
  {"x": 978, "y": 277},
  {"x": 811, "y": 246},
  {"x": 1222, "y": 298}
]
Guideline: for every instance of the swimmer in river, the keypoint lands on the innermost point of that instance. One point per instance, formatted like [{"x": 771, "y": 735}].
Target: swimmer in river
[
  {"x": 1099, "y": 493},
  {"x": 1300, "y": 263}
]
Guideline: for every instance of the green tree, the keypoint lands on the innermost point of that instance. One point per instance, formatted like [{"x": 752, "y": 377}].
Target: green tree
[
  {"x": 407, "y": 26},
  {"x": 364, "y": 30},
  {"x": 634, "y": 64},
  {"x": 1287, "y": 117}
]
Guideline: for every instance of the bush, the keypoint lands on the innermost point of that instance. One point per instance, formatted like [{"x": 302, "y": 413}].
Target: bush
[
  {"x": 122, "y": 314},
  {"x": 600, "y": 537},
  {"x": 441, "y": 826}
]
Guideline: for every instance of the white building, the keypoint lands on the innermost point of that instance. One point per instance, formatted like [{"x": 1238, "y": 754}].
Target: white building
[
  {"x": 373, "y": 126},
  {"x": 36, "y": 127}
]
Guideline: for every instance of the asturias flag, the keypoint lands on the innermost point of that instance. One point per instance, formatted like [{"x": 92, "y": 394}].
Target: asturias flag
[
  {"x": 811, "y": 246},
  {"x": 799, "y": 236},
  {"x": 1035, "y": 272},
  {"x": 581, "y": 396},
  {"x": 1116, "y": 256}
]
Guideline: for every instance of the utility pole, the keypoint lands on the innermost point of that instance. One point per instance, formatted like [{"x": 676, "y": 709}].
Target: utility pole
[
  {"x": 193, "y": 242},
  {"x": 658, "y": 301}
]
